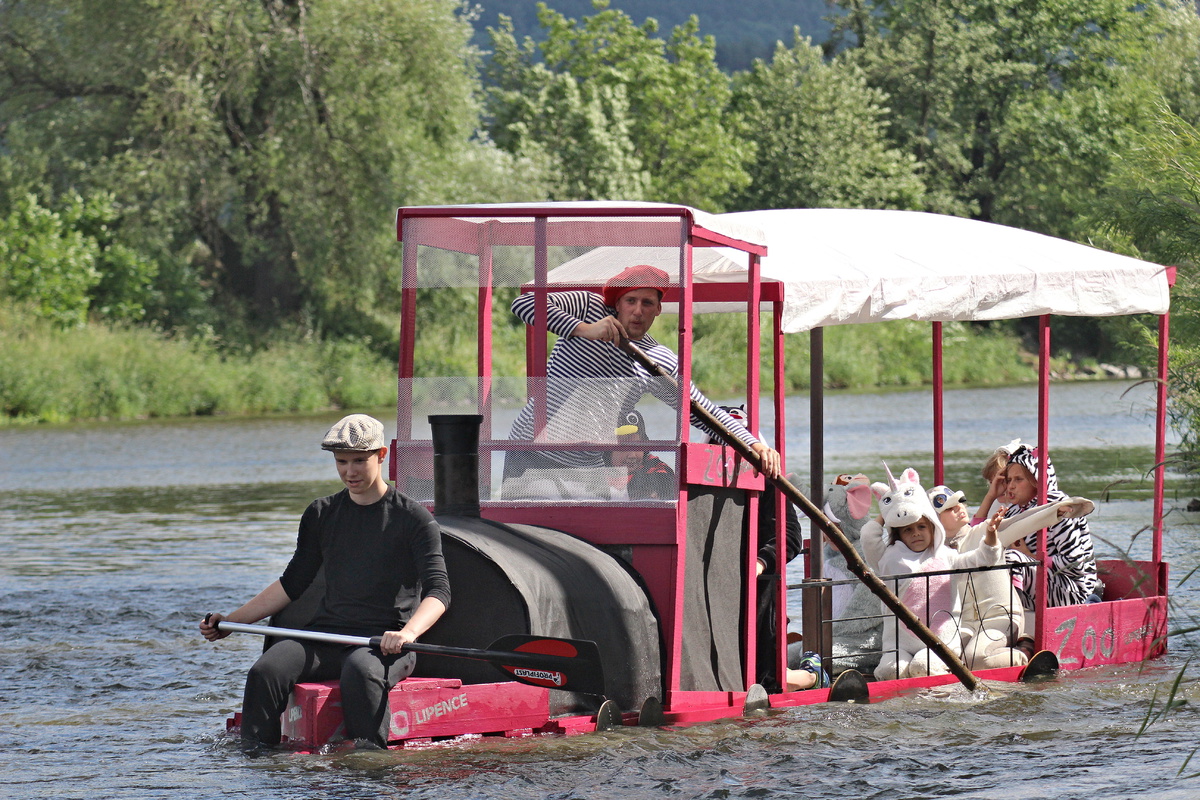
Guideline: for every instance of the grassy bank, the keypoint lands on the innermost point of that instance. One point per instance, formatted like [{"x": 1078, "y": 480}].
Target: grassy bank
[{"x": 98, "y": 372}]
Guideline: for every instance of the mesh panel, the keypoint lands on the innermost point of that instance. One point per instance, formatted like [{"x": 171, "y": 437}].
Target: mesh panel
[
  {"x": 558, "y": 438},
  {"x": 644, "y": 472},
  {"x": 579, "y": 251},
  {"x": 855, "y": 627}
]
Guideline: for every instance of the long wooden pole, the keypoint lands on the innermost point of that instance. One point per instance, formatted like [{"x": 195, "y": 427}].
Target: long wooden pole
[
  {"x": 854, "y": 561},
  {"x": 571, "y": 664}
]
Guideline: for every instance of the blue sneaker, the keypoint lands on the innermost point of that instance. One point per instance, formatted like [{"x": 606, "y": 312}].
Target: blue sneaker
[{"x": 811, "y": 662}]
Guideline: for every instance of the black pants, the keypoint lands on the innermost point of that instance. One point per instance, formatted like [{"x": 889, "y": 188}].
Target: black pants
[{"x": 366, "y": 678}]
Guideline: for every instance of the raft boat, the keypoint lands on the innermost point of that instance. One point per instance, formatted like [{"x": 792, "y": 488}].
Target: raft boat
[{"x": 665, "y": 586}]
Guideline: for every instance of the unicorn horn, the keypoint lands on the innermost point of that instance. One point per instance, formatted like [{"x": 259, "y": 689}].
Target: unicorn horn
[{"x": 891, "y": 480}]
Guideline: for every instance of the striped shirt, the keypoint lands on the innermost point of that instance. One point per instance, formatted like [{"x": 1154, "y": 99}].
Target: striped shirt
[{"x": 589, "y": 384}]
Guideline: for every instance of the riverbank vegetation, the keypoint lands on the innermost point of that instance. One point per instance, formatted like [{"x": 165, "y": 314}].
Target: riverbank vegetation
[
  {"x": 51, "y": 374},
  {"x": 197, "y": 198},
  {"x": 100, "y": 371}
]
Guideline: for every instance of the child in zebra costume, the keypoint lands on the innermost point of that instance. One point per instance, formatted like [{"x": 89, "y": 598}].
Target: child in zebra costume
[{"x": 1070, "y": 556}]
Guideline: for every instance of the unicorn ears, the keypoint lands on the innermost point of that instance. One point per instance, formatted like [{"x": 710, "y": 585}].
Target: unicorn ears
[{"x": 908, "y": 476}]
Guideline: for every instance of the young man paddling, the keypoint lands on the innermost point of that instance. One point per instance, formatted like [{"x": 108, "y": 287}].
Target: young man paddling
[{"x": 384, "y": 575}]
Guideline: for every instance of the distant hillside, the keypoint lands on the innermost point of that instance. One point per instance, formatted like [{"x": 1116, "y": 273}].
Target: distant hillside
[{"x": 743, "y": 30}]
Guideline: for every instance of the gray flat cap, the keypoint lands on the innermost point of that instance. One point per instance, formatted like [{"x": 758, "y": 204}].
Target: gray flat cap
[{"x": 355, "y": 432}]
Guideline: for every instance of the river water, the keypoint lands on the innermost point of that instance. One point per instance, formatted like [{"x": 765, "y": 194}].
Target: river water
[{"x": 115, "y": 539}]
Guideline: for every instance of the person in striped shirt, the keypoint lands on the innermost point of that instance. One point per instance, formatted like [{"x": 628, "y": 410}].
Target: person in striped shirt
[{"x": 590, "y": 381}]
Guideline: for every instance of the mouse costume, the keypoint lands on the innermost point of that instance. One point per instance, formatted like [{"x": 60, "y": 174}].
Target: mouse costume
[{"x": 856, "y": 627}]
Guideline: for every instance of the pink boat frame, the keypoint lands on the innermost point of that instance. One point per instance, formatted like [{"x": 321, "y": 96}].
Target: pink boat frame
[{"x": 1129, "y": 625}]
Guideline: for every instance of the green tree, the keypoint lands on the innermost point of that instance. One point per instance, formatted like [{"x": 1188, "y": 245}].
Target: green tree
[
  {"x": 46, "y": 262},
  {"x": 820, "y": 136},
  {"x": 579, "y": 134},
  {"x": 1060, "y": 144},
  {"x": 1013, "y": 108},
  {"x": 643, "y": 105},
  {"x": 261, "y": 146},
  {"x": 1151, "y": 204}
]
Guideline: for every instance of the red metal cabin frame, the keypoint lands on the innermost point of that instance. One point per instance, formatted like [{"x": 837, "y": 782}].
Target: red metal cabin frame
[
  {"x": 656, "y": 536},
  {"x": 1084, "y": 635}
]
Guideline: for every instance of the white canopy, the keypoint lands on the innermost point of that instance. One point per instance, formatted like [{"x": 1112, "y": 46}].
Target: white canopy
[{"x": 845, "y": 266}]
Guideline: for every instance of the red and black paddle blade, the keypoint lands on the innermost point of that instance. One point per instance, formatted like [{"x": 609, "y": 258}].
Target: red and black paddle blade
[{"x": 572, "y": 665}]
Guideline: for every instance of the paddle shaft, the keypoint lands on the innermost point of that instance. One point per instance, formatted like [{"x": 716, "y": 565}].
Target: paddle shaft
[
  {"x": 478, "y": 654},
  {"x": 854, "y": 561}
]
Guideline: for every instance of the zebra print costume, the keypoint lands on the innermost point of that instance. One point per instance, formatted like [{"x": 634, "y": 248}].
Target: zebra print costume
[
  {"x": 590, "y": 384},
  {"x": 1071, "y": 556}
]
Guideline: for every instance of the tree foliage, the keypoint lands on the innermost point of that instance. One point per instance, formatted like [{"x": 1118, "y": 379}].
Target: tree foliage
[
  {"x": 577, "y": 133},
  {"x": 230, "y": 169},
  {"x": 1153, "y": 194},
  {"x": 651, "y": 110},
  {"x": 1152, "y": 204},
  {"x": 259, "y": 148},
  {"x": 743, "y": 31},
  {"x": 45, "y": 262},
  {"x": 1013, "y": 108},
  {"x": 820, "y": 136}
]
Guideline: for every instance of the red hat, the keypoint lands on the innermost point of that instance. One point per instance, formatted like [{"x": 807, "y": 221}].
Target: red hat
[{"x": 642, "y": 276}]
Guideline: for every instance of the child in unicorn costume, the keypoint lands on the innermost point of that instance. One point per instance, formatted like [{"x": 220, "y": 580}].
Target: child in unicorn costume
[{"x": 908, "y": 539}]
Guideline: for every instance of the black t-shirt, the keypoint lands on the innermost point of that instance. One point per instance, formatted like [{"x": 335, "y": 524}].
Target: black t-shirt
[
  {"x": 793, "y": 537},
  {"x": 380, "y": 561}
]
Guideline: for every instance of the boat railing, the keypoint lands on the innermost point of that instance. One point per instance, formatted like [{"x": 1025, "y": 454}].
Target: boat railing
[{"x": 848, "y": 622}]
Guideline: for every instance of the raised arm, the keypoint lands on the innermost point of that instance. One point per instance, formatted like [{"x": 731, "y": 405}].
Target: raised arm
[
  {"x": 1020, "y": 526},
  {"x": 567, "y": 313},
  {"x": 1013, "y": 529},
  {"x": 873, "y": 537},
  {"x": 994, "y": 492}
]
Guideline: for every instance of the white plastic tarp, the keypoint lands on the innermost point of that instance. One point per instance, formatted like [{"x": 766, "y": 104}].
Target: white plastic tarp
[{"x": 845, "y": 266}]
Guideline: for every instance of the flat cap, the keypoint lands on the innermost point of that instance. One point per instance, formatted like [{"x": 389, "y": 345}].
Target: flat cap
[{"x": 355, "y": 432}]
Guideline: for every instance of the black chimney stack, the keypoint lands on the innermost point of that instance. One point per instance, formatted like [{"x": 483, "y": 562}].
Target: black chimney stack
[{"x": 456, "y": 464}]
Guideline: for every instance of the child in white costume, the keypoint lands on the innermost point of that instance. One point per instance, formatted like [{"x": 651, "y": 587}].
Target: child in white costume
[
  {"x": 992, "y": 614},
  {"x": 914, "y": 542}
]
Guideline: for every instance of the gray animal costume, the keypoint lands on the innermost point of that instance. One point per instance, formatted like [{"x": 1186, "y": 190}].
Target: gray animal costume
[{"x": 857, "y": 640}]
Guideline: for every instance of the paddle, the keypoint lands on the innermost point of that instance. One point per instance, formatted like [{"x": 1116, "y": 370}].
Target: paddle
[
  {"x": 572, "y": 665},
  {"x": 853, "y": 561}
]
